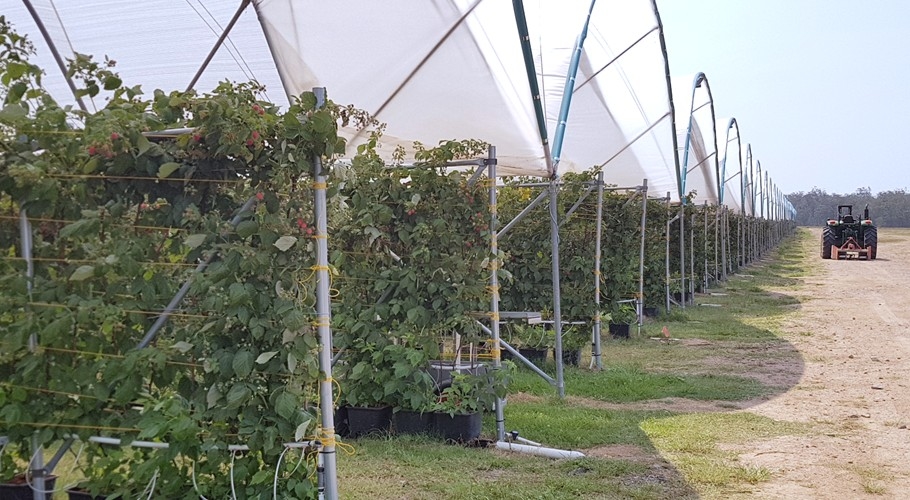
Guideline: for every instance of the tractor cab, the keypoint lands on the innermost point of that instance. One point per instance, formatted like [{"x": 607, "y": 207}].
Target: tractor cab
[{"x": 848, "y": 236}]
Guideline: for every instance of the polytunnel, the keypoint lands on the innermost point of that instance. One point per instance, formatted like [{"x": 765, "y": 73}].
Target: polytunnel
[
  {"x": 460, "y": 64},
  {"x": 731, "y": 165},
  {"x": 447, "y": 69},
  {"x": 695, "y": 134}
]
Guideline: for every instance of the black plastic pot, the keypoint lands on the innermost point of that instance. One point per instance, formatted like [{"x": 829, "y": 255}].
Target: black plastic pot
[
  {"x": 619, "y": 330},
  {"x": 363, "y": 420},
  {"x": 571, "y": 357},
  {"x": 682, "y": 298},
  {"x": 341, "y": 421},
  {"x": 534, "y": 355},
  {"x": 19, "y": 489},
  {"x": 412, "y": 422},
  {"x": 651, "y": 312},
  {"x": 78, "y": 494},
  {"x": 458, "y": 428}
]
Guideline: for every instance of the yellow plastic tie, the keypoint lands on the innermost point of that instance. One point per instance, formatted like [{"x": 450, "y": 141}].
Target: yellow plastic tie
[
  {"x": 319, "y": 185},
  {"x": 337, "y": 394},
  {"x": 327, "y": 436}
]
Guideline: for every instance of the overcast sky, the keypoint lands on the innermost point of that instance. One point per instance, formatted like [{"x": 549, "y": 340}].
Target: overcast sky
[{"x": 819, "y": 88}]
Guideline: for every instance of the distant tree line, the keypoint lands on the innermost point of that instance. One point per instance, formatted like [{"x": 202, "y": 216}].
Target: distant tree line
[{"x": 886, "y": 209}]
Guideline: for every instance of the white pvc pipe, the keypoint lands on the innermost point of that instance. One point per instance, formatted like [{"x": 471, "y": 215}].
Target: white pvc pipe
[
  {"x": 118, "y": 442},
  {"x": 538, "y": 450}
]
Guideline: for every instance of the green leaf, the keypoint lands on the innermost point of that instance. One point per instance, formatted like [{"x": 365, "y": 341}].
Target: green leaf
[
  {"x": 238, "y": 395},
  {"x": 91, "y": 165},
  {"x": 213, "y": 396},
  {"x": 194, "y": 240},
  {"x": 413, "y": 315},
  {"x": 359, "y": 369},
  {"x": 285, "y": 242},
  {"x": 82, "y": 227},
  {"x": 301, "y": 430},
  {"x": 182, "y": 347},
  {"x": 294, "y": 320},
  {"x": 243, "y": 363},
  {"x": 112, "y": 82},
  {"x": 265, "y": 357},
  {"x": 16, "y": 91},
  {"x": 247, "y": 228},
  {"x": 59, "y": 326},
  {"x": 13, "y": 111},
  {"x": 83, "y": 273},
  {"x": 292, "y": 362},
  {"x": 286, "y": 405},
  {"x": 372, "y": 232},
  {"x": 16, "y": 69},
  {"x": 166, "y": 169},
  {"x": 262, "y": 477},
  {"x": 142, "y": 144},
  {"x": 307, "y": 100}
]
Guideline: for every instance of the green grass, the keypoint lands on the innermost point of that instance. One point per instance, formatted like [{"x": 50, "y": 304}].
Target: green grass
[
  {"x": 691, "y": 443},
  {"x": 566, "y": 426},
  {"x": 624, "y": 383},
  {"x": 420, "y": 469}
]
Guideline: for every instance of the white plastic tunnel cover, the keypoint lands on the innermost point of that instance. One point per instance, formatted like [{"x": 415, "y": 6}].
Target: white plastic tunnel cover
[
  {"x": 455, "y": 69},
  {"x": 431, "y": 70}
]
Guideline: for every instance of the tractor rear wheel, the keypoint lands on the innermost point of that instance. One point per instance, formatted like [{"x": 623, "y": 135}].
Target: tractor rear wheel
[
  {"x": 827, "y": 242},
  {"x": 870, "y": 241}
]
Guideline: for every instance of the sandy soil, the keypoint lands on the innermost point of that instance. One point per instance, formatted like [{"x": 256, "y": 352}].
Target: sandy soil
[{"x": 853, "y": 334}]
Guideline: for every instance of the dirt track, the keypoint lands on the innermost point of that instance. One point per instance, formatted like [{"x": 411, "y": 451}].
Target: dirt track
[{"x": 853, "y": 333}]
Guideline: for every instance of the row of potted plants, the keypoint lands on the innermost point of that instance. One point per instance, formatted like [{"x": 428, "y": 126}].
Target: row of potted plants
[{"x": 453, "y": 410}]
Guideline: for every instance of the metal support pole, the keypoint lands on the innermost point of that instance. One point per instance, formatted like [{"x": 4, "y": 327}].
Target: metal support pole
[
  {"x": 517, "y": 355},
  {"x": 595, "y": 344},
  {"x": 706, "y": 245},
  {"x": 494, "y": 286},
  {"x": 725, "y": 250},
  {"x": 224, "y": 35},
  {"x": 36, "y": 468},
  {"x": 740, "y": 240},
  {"x": 682, "y": 252},
  {"x": 25, "y": 233},
  {"x": 557, "y": 298},
  {"x": 667, "y": 258},
  {"x": 692, "y": 254},
  {"x": 323, "y": 321},
  {"x": 521, "y": 215},
  {"x": 57, "y": 58},
  {"x": 716, "y": 243},
  {"x": 753, "y": 235},
  {"x": 641, "y": 252}
]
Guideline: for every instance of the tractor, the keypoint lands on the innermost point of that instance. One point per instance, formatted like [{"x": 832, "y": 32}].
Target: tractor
[{"x": 848, "y": 237}]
